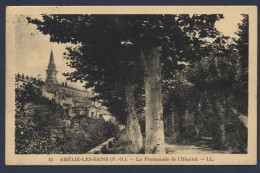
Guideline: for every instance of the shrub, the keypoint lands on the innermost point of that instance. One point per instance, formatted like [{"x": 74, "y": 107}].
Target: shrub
[{"x": 42, "y": 127}]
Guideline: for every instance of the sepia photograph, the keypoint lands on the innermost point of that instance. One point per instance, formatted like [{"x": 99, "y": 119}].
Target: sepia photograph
[{"x": 107, "y": 85}]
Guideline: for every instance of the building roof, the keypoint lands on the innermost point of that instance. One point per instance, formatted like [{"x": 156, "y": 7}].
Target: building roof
[
  {"x": 77, "y": 99},
  {"x": 102, "y": 111},
  {"x": 94, "y": 107},
  {"x": 76, "y": 89},
  {"x": 65, "y": 94}
]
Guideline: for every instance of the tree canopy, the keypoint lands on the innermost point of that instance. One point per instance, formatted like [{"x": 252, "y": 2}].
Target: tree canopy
[{"x": 182, "y": 56}]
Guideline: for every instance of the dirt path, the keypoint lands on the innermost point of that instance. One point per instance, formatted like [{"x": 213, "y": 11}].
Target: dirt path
[
  {"x": 191, "y": 149},
  {"x": 202, "y": 147}
]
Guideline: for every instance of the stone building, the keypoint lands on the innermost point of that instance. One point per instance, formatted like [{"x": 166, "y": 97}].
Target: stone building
[{"x": 75, "y": 101}]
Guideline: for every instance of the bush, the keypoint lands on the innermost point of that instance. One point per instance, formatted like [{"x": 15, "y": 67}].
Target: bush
[
  {"x": 63, "y": 136},
  {"x": 236, "y": 136},
  {"x": 83, "y": 134},
  {"x": 42, "y": 127}
]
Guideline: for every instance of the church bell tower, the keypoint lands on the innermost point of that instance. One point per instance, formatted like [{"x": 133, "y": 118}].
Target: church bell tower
[{"x": 51, "y": 73}]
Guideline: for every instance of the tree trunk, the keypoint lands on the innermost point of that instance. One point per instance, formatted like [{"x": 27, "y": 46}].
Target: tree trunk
[
  {"x": 196, "y": 122},
  {"x": 128, "y": 127},
  {"x": 172, "y": 126},
  {"x": 134, "y": 126},
  {"x": 153, "y": 101},
  {"x": 178, "y": 123},
  {"x": 166, "y": 127},
  {"x": 223, "y": 134},
  {"x": 176, "y": 126},
  {"x": 221, "y": 113},
  {"x": 222, "y": 125},
  {"x": 168, "y": 124}
]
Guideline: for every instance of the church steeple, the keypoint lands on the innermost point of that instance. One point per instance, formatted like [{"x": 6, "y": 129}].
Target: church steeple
[
  {"x": 51, "y": 72},
  {"x": 51, "y": 62}
]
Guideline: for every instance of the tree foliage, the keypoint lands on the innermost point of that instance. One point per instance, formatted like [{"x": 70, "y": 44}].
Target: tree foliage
[
  {"x": 108, "y": 46},
  {"x": 217, "y": 90},
  {"x": 198, "y": 75},
  {"x": 43, "y": 127}
]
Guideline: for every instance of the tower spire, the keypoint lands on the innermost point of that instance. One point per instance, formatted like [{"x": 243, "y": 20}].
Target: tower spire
[
  {"x": 51, "y": 72},
  {"x": 51, "y": 62}
]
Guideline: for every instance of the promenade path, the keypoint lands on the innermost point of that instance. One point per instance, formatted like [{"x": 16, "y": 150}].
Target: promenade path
[{"x": 202, "y": 147}]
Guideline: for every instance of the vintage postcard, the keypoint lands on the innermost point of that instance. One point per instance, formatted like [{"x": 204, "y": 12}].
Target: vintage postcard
[{"x": 131, "y": 85}]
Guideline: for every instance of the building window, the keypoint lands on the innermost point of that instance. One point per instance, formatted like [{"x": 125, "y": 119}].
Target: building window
[{"x": 92, "y": 114}]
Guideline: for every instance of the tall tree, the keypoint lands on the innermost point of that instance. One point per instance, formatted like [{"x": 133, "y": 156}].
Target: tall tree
[
  {"x": 111, "y": 75},
  {"x": 157, "y": 40},
  {"x": 241, "y": 45},
  {"x": 218, "y": 75}
]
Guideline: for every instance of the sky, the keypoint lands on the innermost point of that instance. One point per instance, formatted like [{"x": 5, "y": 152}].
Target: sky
[{"x": 33, "y": 48}]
